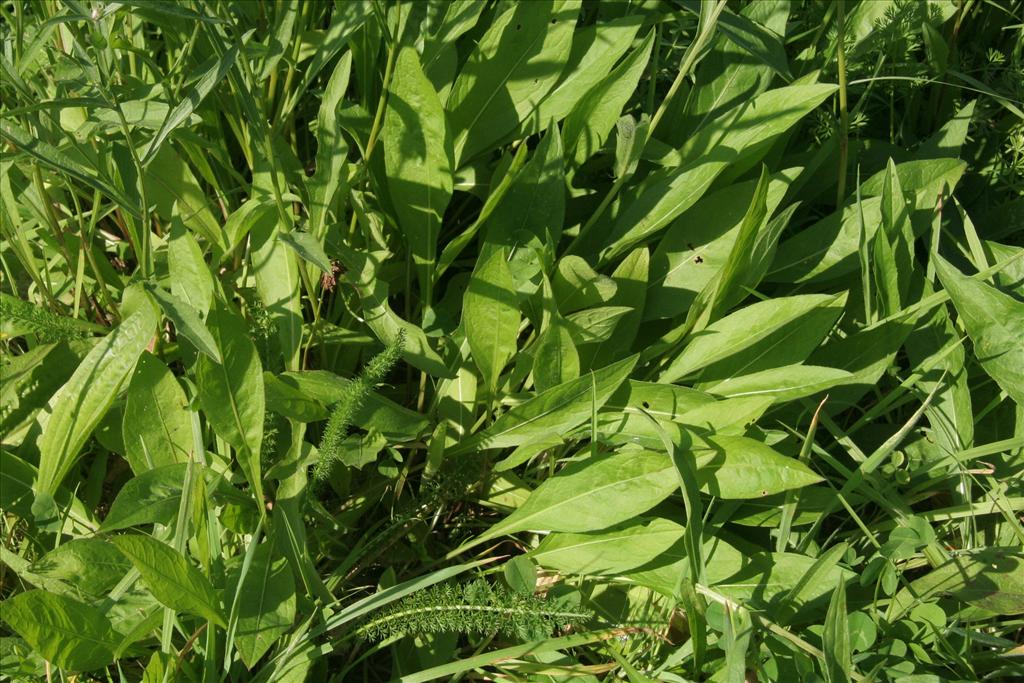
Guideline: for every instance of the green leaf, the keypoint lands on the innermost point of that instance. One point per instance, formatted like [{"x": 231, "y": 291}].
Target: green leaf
[
  {"x": 186, "y": 321},
  {"x": 363, "y": 269},
  {"x": 555, "y": 359},
  {"x": 64, "y": 631},
  {"x": 786, "y": 383},
  {"x": 277, "y": 272},
  {"x": 533, "y": 206},
  {"x": 170, "y": 578},
  {"x": 380, "y": 414},
  {"x": 555, "y": 411},
  {"x": 306, "y": 245},
  {"x": 191, "y": 281},
  {"x": 329, "y": 178},
  {"x": 593, "y": 494},
  {"x": 514, "y": 65},
  {"x": 698, "y": 243},
  {"x": 836, "y": 638},
  {"x": 55, "y": 159},
  {"x": 722, "y": 142},
  {"x": 418, "y": 161},
  {"x": 827, "y": 249},
  {"x": 157, "y": 428},
  {"x": 266, "y": 607},
  {"x": 995, "y": 323},
  {"x": 578, "y": 286},
  {"x": 212, "y": 75},
  {"x": 766, "y": 334},
  {"x": 490, "y": 316},
  {"x": 587, "y": 126},
  {"x": 736, "y": 467},
  {"x": 231, "y": 393},
  {"x": 154, "y": 496},
  {"x": 83, "y": 401},
  {"x": 609, "y": 552},
  {"x": 91, "y": 565},
  {"x": 989, "y": 579}
]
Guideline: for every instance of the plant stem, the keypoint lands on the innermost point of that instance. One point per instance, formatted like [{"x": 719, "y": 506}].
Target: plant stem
[{"x": 844, "y": 115}]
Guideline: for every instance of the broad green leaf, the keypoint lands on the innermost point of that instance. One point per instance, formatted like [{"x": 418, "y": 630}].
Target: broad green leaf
[
  {"x": 66, "y": 632},
  {"x": 593, "y": 494},
  {"x": 157, "y": 428},
  {"x": 363, "y": 269},
  {"x": 613, "y": 551},
  {"x": 722, "y": 142},
  {"x": 766, "y": 334},
  {"x": 231, "y": 393},
  {"x": 187, "y": 321},
  {"x": 55, "y": 159},
  {"x": 867, "y": 354},
  {"x": 781, "y": 384},
  {"x": 828, "y": 248},
  {"x": 587, "y": 126},
  {"x": 284, "y": 398},
  {"x": 418, "y": 161},
  {"x": 170, "y": 577},
  {"x": 154, "y": 496},
  {"x": 16, "y": 495},
  {"x": 578, "y": 286},
  {"x": 765, "y": 577},
  {"x": 595, "y": 50},
  {"x": 555, "y": 359},
  {"x": 737, "y": 467},
  {"x": 630, "y": 278},
  {"x": 380, "y": 414},
  {"x": 836, "y": 638},
  {"x": 266, "y": 607},
  {"x": 989, "y": 579},
  {"x": 331, "y": 149},
  {"x": 597, "y": 325},
  {"x": 191, "y": 281},
  {"x": 995, "y": 323},
  {"x": 91, "y": 565},
  {"x": 82, "y": 402},
  {"x": 306, "y": 245},
  {"x": 30, "y": 379},
  {"x": 727, "y": 77},
  {"x": 490, "y": 317},
  {"x": 534, "y": 203},
  {"x": 176, "y": 193},
  {"x": 277, "y": 271},
  {"x": 212, "y": 74},
  {"x": 698, "y": 243},
  {"x": 514, "y": 65},
  {"x": 551, "y": 412}
]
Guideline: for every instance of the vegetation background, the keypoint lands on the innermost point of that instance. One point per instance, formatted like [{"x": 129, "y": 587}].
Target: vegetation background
[{"x": 658, "y": 340}]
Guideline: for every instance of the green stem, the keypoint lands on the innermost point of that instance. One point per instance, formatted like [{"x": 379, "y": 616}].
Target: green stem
[{"x": 844, "y": 115}]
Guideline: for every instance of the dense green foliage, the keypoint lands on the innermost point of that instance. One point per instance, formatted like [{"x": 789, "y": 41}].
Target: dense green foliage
[{"x": 661, "y": 340}]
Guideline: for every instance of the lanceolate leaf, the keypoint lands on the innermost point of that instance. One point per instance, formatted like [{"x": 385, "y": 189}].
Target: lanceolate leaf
[
  {"x": 266, "y": 607},
  {"x": 515, "y": 63},
  {"x": 418, "y": 160},
  {"x": 594, "y": 494},
  {"x": 83, "y": 401},
  {"x": 995, "y": 323},
  {"x": 555, "y": 411},
  {"x": 231, "y": 392},
  {"x": 721, "y": 142},
  {"x": 170, "y": 577},
  {"x": 490, "y": 316},
  {"x": 72, "y": 635},
  {"x": 156, "y": 422}
]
